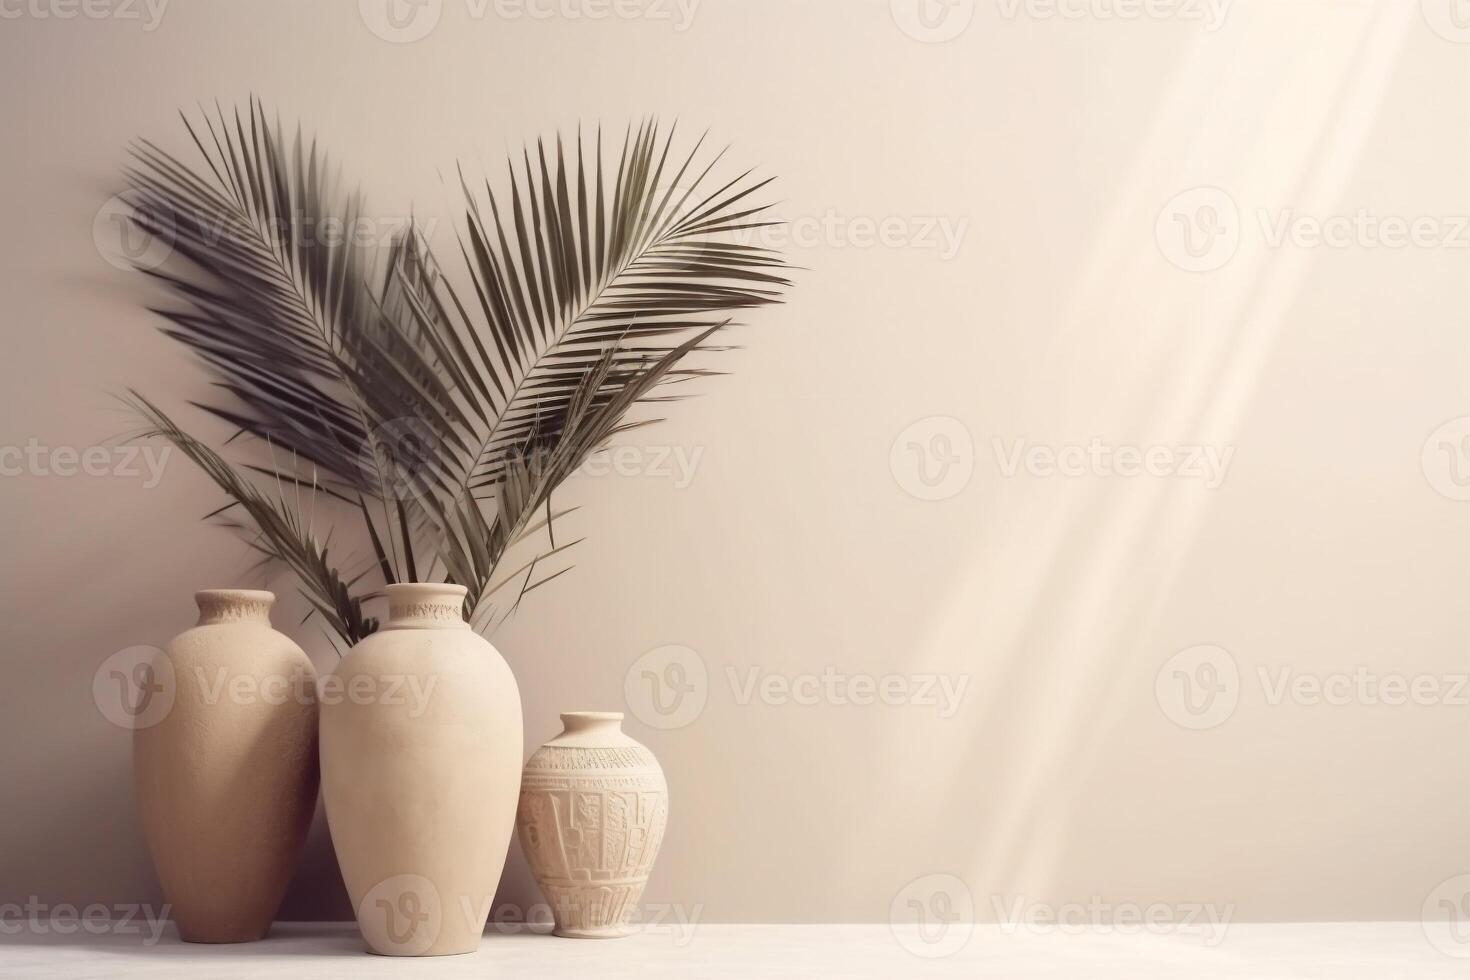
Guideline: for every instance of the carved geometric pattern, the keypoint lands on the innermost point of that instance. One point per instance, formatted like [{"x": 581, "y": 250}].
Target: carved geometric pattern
[{"x": 591, "y": 823}]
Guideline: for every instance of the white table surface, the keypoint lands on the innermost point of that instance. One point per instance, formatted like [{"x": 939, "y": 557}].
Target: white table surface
[{"x": 318, "y": 951}]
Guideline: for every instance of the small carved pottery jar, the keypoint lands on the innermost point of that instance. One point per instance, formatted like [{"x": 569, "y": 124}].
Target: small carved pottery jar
[{"x": 593, "y": 809}]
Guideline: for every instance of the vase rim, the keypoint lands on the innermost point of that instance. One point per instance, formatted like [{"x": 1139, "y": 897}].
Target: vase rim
[
  {"x": 234, "y": 606},
  {"x": 591, "y": 716},
  {"x": 239, "y": 595},
  {"x": 423, "y": 589},
  {"x": 582, "y": 724},
  {"x": 425, "y": 605},
  {"x": 592, "y": 730}
]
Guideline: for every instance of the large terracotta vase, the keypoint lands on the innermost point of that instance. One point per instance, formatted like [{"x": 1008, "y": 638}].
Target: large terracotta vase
[
  {"x": 421, "y": 759},
  {"x": 593, "y": 809},
  {"x": 227, "y": 779}
]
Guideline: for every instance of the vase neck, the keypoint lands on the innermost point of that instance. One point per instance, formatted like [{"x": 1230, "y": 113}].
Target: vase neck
[
  {"x": 591, "y": 722},
  {"x": 425, "y": 606},
  {"x": 234, "y": 606}
]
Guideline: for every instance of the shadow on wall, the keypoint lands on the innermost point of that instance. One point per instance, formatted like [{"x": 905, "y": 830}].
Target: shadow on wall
[{"x": 1073, "y": 638}]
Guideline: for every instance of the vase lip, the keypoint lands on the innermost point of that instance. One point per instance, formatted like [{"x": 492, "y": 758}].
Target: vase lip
[
  {"x": 234, "y": 606},
  {"x": 420, "y": 591},
  {"x": 237, "y": 595},
  {"x": 592, "y": 730},
  {"x": 425, "y": 605},
  {"x": 570, "y": 718},
  {"x": 579, "y": 722}
]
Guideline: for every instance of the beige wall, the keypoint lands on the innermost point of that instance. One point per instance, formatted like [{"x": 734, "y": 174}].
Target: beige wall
[{"x": 1054, "y": 149}]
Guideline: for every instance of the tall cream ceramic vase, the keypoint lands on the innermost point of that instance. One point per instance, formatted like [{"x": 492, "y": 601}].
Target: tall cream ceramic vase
[
  {"x": 227, "y": 779},
  {"x": 421, "y": 759},
  {"x": 593, "y": 809}
]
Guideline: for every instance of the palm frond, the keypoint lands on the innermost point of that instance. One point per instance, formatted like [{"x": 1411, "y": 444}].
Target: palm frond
[
  {"x": 268, "y": 292},
  {"x": 568, "y": 266},
  {"x": 316, "y": 351},
  {"x": 281, "y": 532},
  {"x": 446, "y": 424},
  {"x": 595, "y": 413}
]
